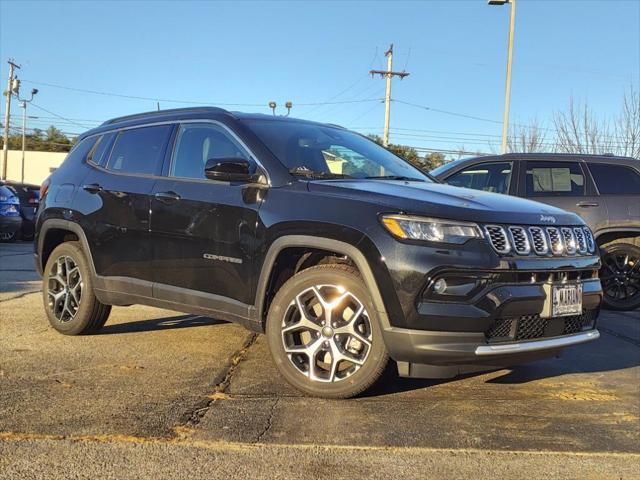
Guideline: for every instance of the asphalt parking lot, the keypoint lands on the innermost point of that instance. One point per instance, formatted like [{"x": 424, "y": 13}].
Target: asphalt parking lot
[{"x": 165, "y": 395}]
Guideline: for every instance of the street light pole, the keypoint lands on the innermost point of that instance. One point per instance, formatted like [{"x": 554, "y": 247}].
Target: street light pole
[
  {"x": 23, "y": 104},
  {"x": 507, "y": 88}
]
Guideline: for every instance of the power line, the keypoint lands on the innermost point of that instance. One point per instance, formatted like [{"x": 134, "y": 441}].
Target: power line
[{"x": 59, "y": 116}]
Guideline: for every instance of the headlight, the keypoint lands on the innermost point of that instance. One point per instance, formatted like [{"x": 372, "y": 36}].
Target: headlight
[{"x": 430, "y": 229}]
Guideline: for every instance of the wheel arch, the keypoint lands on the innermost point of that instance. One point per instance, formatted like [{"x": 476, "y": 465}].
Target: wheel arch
[
  {"x": 323, "y": 244},
  {"x": 608, "y": 235},
  {"x": 55, "y": 231}
]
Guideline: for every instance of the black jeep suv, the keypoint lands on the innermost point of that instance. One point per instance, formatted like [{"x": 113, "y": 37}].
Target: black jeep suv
[
  {"x": 344, "y": 254},
  {"x": 604, "y": 190}
]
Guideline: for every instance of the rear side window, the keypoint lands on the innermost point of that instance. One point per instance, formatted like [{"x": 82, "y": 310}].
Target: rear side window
[
  {"x": 97, "y": 155},
  {"x": 554, "y": 178},
  {"x": 79, "y": 152},
  {"x": 615, "y": 179},
  {"x": 490, "y": 177},
  {"x": 139, "y": 150}
]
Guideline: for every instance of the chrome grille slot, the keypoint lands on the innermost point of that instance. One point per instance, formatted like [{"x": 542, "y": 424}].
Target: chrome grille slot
[
  {"x": 569, "y": 240},
  {"x": 520, "y": 240},
  {"x": 540, "y": 244},
  {"x": 591, "y": 244},
  {"x": 581, "y": 241},
  {"x": 555, "y": 241},
  {"x": 498, "y": 238}
]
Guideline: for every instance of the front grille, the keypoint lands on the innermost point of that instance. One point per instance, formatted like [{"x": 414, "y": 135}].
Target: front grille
[
  {"x": 555, "y": 242},
  {"x": 498, "y": 238},
  {"x": 581, "y": 240},
  {"x": 540, "y": 244},
  {"x": 520, "y": 240},
  {"x": 569, "y": 240},
  {"x": 591, "y": 244},
  {"x": 531, "y": 327}
]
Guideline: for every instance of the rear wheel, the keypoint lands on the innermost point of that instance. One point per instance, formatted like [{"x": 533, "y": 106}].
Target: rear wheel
[
  {"x": 620, "y": 276},
  {"x": 324, "y": 334},
  {"x": 71, "y": 306}
]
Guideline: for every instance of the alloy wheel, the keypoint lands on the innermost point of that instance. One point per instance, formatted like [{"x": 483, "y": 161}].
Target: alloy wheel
[
  {"x": 620, "y": 277},
  {"x": 326, "y": 333},
  {"x": 64, "y": 288}
]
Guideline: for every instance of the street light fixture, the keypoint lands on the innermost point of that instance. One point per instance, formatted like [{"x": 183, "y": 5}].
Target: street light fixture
[{"x": 507, "y": 89}]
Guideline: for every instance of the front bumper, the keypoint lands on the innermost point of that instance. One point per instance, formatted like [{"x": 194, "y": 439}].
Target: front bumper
[{"x": 461, "y": 336}]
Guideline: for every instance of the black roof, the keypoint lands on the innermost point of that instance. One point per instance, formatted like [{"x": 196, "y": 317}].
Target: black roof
[{"x": 189, "y": 113}]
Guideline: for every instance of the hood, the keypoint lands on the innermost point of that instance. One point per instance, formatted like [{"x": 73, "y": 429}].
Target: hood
[{"x": 445, "y": 201}]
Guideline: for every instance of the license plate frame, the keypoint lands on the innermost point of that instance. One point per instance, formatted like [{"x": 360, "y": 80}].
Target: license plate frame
[{"x": 566, "y": 299}]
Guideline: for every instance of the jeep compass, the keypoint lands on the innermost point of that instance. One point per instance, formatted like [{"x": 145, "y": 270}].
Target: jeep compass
[{"x": 345, "y": 255}]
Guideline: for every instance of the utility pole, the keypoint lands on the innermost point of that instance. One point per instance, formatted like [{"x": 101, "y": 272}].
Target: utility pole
[
  {"x": 7, "y": 115},
  {"x": 388, "y": 74}
]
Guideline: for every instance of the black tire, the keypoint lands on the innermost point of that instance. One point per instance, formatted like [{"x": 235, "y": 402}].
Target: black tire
[
  {"x": 371, "y": 351},
  {"x": 87, "y": 315},
  {"x": 620, "y": 275}
]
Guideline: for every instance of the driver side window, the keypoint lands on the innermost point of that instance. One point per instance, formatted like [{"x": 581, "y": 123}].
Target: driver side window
[{"x": 198, "y": 142}]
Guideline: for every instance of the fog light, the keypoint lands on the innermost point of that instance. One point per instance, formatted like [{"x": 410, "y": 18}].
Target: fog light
[{"x": 440, "y": 287}]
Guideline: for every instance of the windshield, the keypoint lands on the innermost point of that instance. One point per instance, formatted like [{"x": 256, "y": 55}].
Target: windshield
[{"x": 329, "y": 152}]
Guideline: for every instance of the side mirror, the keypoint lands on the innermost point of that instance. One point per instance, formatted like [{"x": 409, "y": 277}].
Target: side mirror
[{"x": 231, "y": 169}]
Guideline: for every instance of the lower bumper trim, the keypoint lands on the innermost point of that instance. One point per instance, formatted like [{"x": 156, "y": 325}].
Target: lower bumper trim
[{"x": 537, "y": 344}]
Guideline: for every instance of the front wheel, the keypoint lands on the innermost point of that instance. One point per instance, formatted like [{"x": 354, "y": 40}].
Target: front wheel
[
  {"x": 620, "y": 276},
  {"x": 324, "y": 333}
]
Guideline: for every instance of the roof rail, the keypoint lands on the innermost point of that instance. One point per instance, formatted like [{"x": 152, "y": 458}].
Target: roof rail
[{"x": 160, "y": 113}]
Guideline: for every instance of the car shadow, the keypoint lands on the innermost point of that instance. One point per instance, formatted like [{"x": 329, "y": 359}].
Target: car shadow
[
  {"x": 164, "y": 323},
  {"x": 593, "y": 357}
]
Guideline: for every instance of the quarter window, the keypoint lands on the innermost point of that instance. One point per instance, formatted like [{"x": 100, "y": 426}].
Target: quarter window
[
  {"x": 139, "y": 150},
  {"x": 196, "y": 144},
  {"x": 615, "y": 179},
  {"x": 554, "y": 178},
  {"x": 97, "y": 153},
  {"x": 490, "y": 177}
]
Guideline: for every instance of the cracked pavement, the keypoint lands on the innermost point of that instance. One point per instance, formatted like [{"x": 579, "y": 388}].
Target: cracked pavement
[{"x": 162, "y": 394}]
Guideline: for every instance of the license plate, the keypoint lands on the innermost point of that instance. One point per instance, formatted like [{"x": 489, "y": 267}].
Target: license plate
[{"x": 566, "y": 300}]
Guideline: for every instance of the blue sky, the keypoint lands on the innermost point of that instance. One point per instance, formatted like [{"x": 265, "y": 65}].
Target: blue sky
[{"x": 309, "y": 52}]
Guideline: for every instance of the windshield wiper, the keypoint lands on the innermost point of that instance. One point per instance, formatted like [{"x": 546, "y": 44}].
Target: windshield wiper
[
  {"x": 395, "y": 177},
  {"x": 306, "y": 172}
]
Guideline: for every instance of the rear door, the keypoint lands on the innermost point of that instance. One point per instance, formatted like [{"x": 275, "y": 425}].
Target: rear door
[
  {"x": 202, "y": 230},
  {"x": 117, "y": 199},
  {"x": 619, "y": 187},
  {"x": 566, "y": 185}
]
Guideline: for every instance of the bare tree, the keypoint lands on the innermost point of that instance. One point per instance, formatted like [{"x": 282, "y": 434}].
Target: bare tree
[
  {"x": 627, "y": 125},
  {"x": 527, "y": 139},
  {"x": 578, "y": 130}
]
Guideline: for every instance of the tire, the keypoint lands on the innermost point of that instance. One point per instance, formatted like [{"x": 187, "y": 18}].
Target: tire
[
  {"x": 67, "y": 292},
  {"x": 620, "y": 275},
  {"x": 355, "y": 350}
]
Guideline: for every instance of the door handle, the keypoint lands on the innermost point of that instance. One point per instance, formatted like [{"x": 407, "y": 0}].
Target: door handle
[
  {"x": 167, "y": 197},
  {"x": 92, "y": 188},
  {"x": 587, "y": 204}
]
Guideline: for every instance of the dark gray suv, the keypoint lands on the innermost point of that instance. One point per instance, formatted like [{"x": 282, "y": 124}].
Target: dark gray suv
[{"x": 603, "y": 190}]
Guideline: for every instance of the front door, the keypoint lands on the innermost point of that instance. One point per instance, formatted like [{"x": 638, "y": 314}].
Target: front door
[{"x": 203, "y": 230}]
